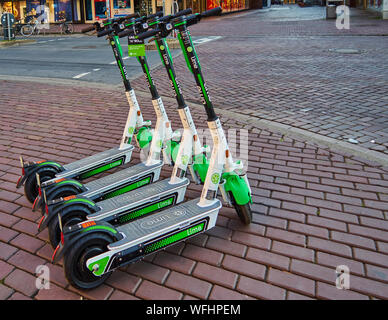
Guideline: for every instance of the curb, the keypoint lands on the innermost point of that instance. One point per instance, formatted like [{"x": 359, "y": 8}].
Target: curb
[
  {"x": 286, "y": 130},
  {"x": 11, "y": 43}
]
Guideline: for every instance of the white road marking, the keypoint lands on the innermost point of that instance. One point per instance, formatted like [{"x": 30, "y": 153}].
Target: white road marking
[
  {"x": 203, "y": 40},
  {"x": 80, "y": 75},
  {"x": 113, "y": 62},
  {"x": 98, "y": 69}
]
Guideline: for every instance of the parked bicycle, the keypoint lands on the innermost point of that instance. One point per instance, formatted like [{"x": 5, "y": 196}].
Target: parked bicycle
[
  {"x": 66, "y": 27},
  {"x": 28, "y": 29}
]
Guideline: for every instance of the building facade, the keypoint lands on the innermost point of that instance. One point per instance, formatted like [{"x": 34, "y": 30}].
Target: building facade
[{"x": 88, "y": 11}]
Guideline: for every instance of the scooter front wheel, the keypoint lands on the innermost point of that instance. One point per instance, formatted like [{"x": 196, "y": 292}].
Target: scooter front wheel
[
  {"x": 244, "y": 211},
  {"x": 76, "y": 271},
  {"x": 31, "y": 186},
  {"x": 54, "y": 229}
]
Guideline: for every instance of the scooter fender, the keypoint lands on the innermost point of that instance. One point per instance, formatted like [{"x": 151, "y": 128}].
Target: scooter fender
[
  {"x": 55, "y": 188},
  {"x": 238, "y": 187},
  {"x": 33, "y": 168},
  {"x": 64, "y": 206},
  {"x": 72, "y": 234}
]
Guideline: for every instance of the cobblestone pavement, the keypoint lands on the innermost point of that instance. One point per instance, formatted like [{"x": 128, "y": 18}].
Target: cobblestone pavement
[
  {"x": 313, "y": 209},
  {"x": 290, "y": 72}
]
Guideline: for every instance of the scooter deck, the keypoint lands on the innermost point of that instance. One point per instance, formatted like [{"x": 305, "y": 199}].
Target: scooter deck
[
  {"x": 117, "y": 206},
  {"x": 108, "y": 184},
  {"x": 162, "y": 223},
  {"x": 95, "y": 161}
]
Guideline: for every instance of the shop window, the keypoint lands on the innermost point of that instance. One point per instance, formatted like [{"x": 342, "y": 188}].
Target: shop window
[
  {"x": 88, "y": 10},
  {"x": 100, "y": 9}
]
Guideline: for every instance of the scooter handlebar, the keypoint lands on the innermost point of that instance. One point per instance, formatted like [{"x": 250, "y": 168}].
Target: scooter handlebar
[
  {"x": 148, "y": 34},
  {"x": 126, "y": 32},
  {"x": 211, "y": 12},
  {"x": 89, "y": 28},
  {"x": 104, "y": 32},
  {"x": 178, "y": 14}
]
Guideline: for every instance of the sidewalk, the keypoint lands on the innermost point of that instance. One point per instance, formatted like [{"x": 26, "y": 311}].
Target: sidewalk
[{"x": 314, "y": 209}]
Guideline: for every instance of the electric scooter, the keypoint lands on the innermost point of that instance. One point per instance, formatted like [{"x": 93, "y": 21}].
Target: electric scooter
[
  {"x": 126, "y": 207},
  {"x": 116, "y": 184},
  {"x": 233, "y": 182},
  {"x": 93, "y": 249},
  {"x": 92, "y": 165}
]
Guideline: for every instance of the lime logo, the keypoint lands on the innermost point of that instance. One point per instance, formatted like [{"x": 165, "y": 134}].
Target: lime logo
[
  {"x": 189, "y": 49},
  {"x": 185, "y": 159},
  {"x": 215, "y": 178},
  {"x": 131, "y": 130},
  {"x": 112, "y": 43},
  {"x": 161, "y": 47},
  {"x": 160, "y": 143}
]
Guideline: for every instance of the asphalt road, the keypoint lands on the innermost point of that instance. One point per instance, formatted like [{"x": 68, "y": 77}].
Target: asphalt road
[{"x": 79, "y": 57}]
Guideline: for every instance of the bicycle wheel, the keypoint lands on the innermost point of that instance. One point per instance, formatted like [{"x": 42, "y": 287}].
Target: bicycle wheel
[
  {"x": 67, "y": 28},
  {"x": 27, "y": 30}
]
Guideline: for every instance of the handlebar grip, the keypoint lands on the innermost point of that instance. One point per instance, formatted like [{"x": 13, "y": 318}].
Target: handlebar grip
[
  {"x": 147, "y": 34},
  {"x": 104, "y": 32},
  {"x": 157, "y": 14},
  {"x": 124, "y": 33},
  {"x": 89, "y": 28},
  {"x": 183, "y": 12},
  {"x": 211, "y": 12}
]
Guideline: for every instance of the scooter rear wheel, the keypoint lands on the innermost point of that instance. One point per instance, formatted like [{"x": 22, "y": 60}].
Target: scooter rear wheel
[
  {"x": 76, "y": 271},
  {"x": 244, "y": 211},
  {"x": 54, "y": 230},
  {"x": 61, "y": 193},
  {"x": 31, "y": 187}
]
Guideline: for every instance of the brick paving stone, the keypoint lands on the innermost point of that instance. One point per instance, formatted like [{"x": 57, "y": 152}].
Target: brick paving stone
[
  {"x": 327, "y": 291},
  {"x": 124, "y": 281},
  {"x": 291, "y": 281},
  {"x": 174, "y": 262},
  {"x": 202, "y": 254},
  {"x": 26, "y": 261},
  {"x": 268, "y": 258},
  {"x": 149, "y": 271},
  {"x": 5, "y": 292},
  {"x": 221, "y": 293},
  {"x": 7, "y": 234},
  {"x": 119, "y": 295},
  {"x": 6, "y": 251},
  {"x": 102, "y": 292},
  {"x": 227, "y": 246},
  {"x": 56, "y": 293},
  {"x": 329, "y": 246},
  {"x": 245, "y": 267},
  {"x": 215, "y": 274},
  {"x": 369, "y": 287},
  {"x": 5, "y": 269},
  {"x": 27, "y": 242},
  {"x": 152, "y": 291},
  {"x": 22, "y": 282},
  {"x": 330, "y": 260},
  {"x": 286, "y": 236},
  {"x": 260, "y": 289},
  {"x": 372, "y": 257},
  {"x": 189, "y": 285}
]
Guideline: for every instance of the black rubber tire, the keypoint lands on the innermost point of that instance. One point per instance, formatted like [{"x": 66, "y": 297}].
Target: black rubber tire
[
  {"x": 244, "y": 212},
  {"x": 75, "y": 259},
  {"x": 31, "y": 187},
  {"x": 70, "y": 219}
]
